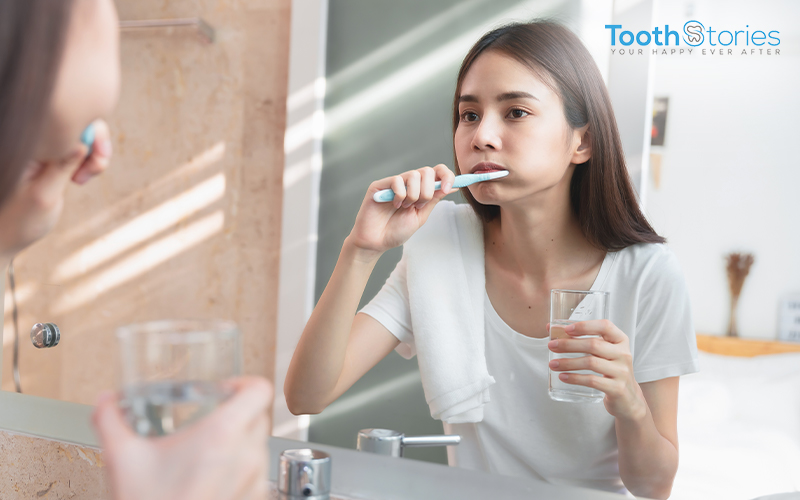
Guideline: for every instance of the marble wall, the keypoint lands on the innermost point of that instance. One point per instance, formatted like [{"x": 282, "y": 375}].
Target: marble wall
[{"x": 38, "y": 468}]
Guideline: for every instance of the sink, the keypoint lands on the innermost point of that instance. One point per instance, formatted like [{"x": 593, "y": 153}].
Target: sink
[{"x": 367, "y": 476}]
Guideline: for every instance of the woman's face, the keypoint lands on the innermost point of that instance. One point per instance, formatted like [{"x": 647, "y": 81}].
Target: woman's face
[
  {"x": 509, "y": 119},
  {"x": 87, "y": 84}
]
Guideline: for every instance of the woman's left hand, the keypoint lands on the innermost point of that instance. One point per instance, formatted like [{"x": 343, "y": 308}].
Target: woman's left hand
[{"x": 609, "y": 355}]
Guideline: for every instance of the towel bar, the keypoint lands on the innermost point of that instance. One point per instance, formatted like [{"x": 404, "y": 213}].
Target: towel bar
[{"x": 205, "y": 29}]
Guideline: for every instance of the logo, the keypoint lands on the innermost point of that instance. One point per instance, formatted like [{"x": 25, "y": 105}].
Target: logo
[
  {"x": 693, "y": 33},
  {"x": 697, "y": 38}
]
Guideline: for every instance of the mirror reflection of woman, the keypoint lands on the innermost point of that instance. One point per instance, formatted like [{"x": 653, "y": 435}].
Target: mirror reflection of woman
[
  {"x": 59, "y": 72},
  {"x": 530, "y": 100}
]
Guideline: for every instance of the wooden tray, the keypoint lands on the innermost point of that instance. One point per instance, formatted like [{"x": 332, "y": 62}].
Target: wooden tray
[{"x": 732, "y": 346}]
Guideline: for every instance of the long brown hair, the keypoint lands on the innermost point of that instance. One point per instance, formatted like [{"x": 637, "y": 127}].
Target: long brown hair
[
  {"x": 32, "y": 34},
  {"x": 601, "y": 194}
]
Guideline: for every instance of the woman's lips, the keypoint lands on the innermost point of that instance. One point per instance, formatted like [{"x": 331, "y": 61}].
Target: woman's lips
[{"x": 486, "y": 167}]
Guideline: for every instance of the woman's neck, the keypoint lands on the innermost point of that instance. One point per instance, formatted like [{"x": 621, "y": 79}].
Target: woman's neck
[{"x": 541, "y": 240}]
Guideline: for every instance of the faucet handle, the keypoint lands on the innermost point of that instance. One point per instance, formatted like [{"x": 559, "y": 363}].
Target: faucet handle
[
  {"x": 443, "y": 440},
  {"x": 392, "y": 443},
  {"x": 304, "y": 474}
]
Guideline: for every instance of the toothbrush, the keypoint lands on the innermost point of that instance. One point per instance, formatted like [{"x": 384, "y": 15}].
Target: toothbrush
[
  {"x": 387, "y": 195},
  {"x": 87, "y": 137}
]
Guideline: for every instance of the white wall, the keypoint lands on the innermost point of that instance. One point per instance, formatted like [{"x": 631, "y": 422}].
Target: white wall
[
  {"x": 301, "y": 176},
  {"x": 731, "y": 175}
]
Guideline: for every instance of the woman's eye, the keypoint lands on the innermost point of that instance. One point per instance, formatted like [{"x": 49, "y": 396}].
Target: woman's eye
[
  {"x": 469, "y": 116},
  {"x": 518, "y": 113}
]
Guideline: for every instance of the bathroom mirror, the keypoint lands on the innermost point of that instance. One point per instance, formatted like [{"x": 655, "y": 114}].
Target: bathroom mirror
[
  {"x": 718, "y": 183},
  {"x": 390, "y": 75},
  {"x": 185, "y": 223}
]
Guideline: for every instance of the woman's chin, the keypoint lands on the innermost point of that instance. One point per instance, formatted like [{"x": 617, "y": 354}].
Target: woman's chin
[{"x": 487, "y": 197}]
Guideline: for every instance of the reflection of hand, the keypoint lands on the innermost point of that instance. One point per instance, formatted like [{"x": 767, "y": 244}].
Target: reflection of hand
[
  {"x": 97, "y": 162},
  {"x": 35, "y": 205},
  {"x": 223, "y": 456},
  {"x": 608, "y": 355},
  {"x": 381, "y": 226}
]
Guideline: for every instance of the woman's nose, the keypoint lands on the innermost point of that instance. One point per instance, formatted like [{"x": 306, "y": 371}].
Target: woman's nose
[{"x": 487, "y": 135}]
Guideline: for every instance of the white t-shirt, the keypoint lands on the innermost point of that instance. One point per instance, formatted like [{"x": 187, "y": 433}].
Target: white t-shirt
[{"x": 524, "y": 432}]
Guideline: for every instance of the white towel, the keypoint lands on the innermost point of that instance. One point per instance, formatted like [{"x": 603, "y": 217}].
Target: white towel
[{"x": 446, "y": 282}]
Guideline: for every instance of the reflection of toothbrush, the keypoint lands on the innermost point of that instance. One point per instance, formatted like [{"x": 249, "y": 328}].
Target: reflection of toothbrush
[
  {"x": 87, "y": 137},
  {"x": 386, "y": 195}
]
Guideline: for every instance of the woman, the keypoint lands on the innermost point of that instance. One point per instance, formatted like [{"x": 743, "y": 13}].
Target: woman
[
  {"x": 59, "y": 71},
  {"x": 529, "y": 100}
]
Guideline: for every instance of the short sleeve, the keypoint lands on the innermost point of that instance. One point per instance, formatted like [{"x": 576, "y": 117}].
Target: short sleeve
[
  {"x": 665, "y": 344},
  {"x": 390, "y": 307}
]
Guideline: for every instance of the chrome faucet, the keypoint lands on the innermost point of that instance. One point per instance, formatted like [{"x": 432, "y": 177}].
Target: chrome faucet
[
  {"x": 304, "y": 474},
  {"x": 392, "y": 443}
]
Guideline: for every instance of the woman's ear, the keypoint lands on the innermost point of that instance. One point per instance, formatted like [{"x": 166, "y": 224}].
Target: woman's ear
[{"x": 584, "y": 150}]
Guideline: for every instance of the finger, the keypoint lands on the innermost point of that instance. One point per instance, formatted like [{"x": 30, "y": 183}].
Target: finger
[
  {"x": 52, "y": 177},
  {"x": 381, "y": 184},
  {"x": 593, "y": 363},
  {"x": 97, "y": 162},
  {"x": 250, "y": 463},
  {"x": 255, "y": 432},
  {"x": 426, "y": 186},
  {"x": 445, "y": 175},
  {"x": 399, "y": 188},
  {"x": 603, "y": 327},
  {"x": 93, "y": 166},
  {"x": 598, "y": 382},
  {"x": 255, "y": 458},
  {"x": 412, "y": 188},
  {"x": 110, "y": 423},
  {"x": 252, "y": 398},
  {"x": 375, "y": 187},
  {"x": 252, "y": 485},
  {"x": 259, "y": 428},
  {"x": 261, "y": 490},
  {"x": 596, "y": 346},
  {"x": 102, "y": 137}
]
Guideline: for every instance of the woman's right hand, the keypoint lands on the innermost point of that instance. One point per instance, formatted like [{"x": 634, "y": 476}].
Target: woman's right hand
[
  {"x": 222, "y": 456},
  {"x": 381, "y": 226}
]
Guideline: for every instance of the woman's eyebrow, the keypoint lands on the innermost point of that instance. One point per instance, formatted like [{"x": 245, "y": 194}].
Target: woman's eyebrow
[
  {"x": 506, "y": 96},
  {"x": 518, "y": 94}
]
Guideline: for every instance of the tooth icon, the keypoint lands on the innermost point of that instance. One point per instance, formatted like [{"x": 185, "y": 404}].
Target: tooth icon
[{"x": 694, "y": 33}]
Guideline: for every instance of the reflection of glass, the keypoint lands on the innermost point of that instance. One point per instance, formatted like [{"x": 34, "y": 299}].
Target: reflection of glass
[
  {"x": 171, "y": 371},
  {"x": 568, "y": 307}
]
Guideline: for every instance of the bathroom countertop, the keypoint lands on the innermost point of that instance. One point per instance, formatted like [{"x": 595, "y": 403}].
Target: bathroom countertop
[
  {"x": 273, "y": 493},
  {"x": 360, "y": 475}
]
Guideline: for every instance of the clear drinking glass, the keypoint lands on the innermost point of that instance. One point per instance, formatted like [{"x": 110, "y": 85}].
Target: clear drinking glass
[
  {"x": 172, "y": 371},
  {"x": 568, "y": 307}
]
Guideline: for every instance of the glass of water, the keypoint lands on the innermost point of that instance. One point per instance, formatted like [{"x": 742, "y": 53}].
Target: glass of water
[
  {"x": 568, "y": 307},
  {"x": 172, "y": 371}
]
